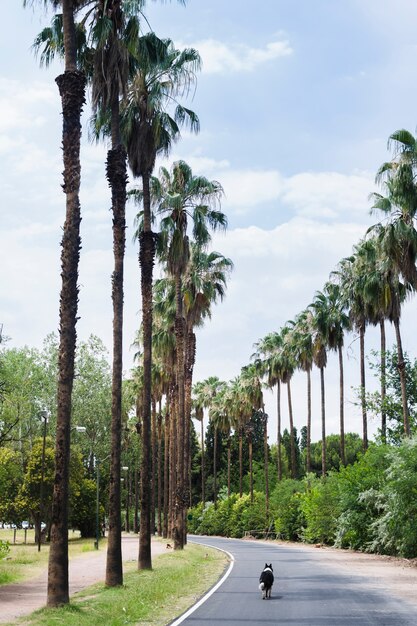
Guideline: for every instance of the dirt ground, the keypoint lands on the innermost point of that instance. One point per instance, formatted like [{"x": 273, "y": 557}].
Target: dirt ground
[{"x": 22, "y": 598}]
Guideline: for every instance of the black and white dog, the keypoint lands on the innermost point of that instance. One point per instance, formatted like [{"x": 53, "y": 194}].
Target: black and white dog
[{"x": 266, "y": 580}]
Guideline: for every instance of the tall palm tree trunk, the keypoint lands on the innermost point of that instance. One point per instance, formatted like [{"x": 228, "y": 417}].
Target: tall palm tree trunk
[
  {"x": 136, "y": 514},
  {"x": 279, "y": 455},
  {"x": 215, "y": 468},
  {"x": 240, "y": 460},
  {"x": 342, "y": 407},
  {"x": 266, "y": 466},
  {"x": 229, "y": 463},
  {"x": 203, "y": 477},
  {"x": 308, "y": 442},
  {"x": 159, "y": 464},
  {"x": 71, "y": 86},
  {"x": 363, "y": 396},
  {"x": 383, "y": 381},
  {"x": 403, "y": 381},
  {"x": 250, "y": 467},
  {"x": 180, "y": 344},
  {"x": 146, "y": 260},
  {"x": 154, "y": 485},
  {"x": 166, "y": 469},
  {"x": 117, "y": 177},
  {"x": 292, "y": 439},
  {"x": 190, "y": 351},
  {"x": 323, "y": 424}
]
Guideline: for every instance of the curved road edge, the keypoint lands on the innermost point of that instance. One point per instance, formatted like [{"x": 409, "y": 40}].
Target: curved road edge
[{"x": 207, "y": 595}]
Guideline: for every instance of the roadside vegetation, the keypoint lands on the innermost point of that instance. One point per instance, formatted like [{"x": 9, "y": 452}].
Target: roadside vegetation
[{"x": 154, "y": 597}]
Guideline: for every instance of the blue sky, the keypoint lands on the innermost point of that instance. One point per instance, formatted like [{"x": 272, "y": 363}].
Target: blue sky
[{"x": 296, "y": 102}]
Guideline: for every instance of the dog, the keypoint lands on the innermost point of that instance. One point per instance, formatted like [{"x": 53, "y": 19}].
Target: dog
[{"x": 266, "y": 580}]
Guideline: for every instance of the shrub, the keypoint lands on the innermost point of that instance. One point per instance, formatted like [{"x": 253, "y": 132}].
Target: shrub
[
  {"x": 4, "y": 548},
  {"x": 286, "y": 510},
  {"x": 321, "y": 509}
]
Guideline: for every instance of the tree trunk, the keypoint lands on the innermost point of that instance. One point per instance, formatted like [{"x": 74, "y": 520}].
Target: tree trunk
[
  {"x": 323, "y": 424},
  {"x": 136, "y": 516},
  {"x": 279, "y": 455},
  {"x": 240, "y": 460},
  {"x": 166, "y": 469},
  {"x": 154, "y": 468},
  {"x": 403, "y": 381},
  {"x": 250, "y": 468},
  {"x": 180, "y": 498},
  {"x": 117, "y": 178},
  {"x": 342, "y": 408},
  {"x": 72, "y": 91},
  {"x": 363, "y": 397},
  {"x": 159, "y": 464},
  {"x": 292, "y": 439},
  {"x": 308, "y": 443},
  {"x": 203, "y": 478},
  {"x": 266, "y": 459},
  {"x": 146, "y": 260},
  {"x": 229, "y": 452},
  {"x": 215, "y": 468},
  {"x": 190, "y": 350},
  {"x": 383, "y": 381}
]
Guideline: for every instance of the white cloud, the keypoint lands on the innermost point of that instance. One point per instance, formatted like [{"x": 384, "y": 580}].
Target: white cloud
[
  {"x": 329, "y": 194},
  {"x": 219, "y": 57},
  {"x": 22, "y": 105}
]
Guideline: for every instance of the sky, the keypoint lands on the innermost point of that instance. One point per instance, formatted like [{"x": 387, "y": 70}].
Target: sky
[{"x": 296, "y": 102}]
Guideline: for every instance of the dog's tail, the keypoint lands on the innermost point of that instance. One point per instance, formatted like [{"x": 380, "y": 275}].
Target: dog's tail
[{"x": 262, "y": 586}]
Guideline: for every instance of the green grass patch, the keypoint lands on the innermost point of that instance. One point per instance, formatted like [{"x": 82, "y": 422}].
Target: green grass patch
[{"x": 147, "y": 598}]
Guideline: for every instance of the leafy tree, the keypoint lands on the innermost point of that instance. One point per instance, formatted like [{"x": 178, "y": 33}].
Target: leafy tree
[
  {"x": 359, "y": 485},
  {"x": 353, "y": 448},
  {"x": 320, "y": 507},
  {"x": 11, "y": 475},
  {"x": 286, "y": 507},
  {"x": 395, "y": 529},
  {"x": 391, "y": 403}
]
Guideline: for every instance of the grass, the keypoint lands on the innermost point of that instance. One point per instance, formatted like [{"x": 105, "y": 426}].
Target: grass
[
  {"x": 24, "y": 561},
  {"x": 147, "y": 598}
]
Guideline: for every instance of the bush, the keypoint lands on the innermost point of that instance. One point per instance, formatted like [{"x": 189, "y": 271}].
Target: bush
[
  {"x": 285, "y": 506},
  {"x": 321, "y": 509},
  {"x": 359, "y": 486},
  {"x": 395, "y": 531},
  {"x": 4, "y": 548}
]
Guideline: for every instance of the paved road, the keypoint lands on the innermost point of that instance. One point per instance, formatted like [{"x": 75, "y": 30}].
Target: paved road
[{"x": 306, "y": 592}]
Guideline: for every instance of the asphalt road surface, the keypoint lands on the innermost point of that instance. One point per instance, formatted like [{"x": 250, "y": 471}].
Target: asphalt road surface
[{"x": 306, "y": 592}]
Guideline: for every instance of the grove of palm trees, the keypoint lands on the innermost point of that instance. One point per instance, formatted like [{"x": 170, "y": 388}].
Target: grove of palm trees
[{"x": 161, "y": 449}]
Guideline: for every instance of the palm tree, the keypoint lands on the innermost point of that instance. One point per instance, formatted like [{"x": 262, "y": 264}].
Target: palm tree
[
  {"x": 268, "y": 351},
  {"x": 179, "y": 196},
  {"x": 303, "y": 348},
  {"x": 319, "y": 325},
  {"x": 204, "y": 284},
  {"x": 397, "y": 245},
  {"x": 334, "y": 322},
  {"x": 71, "y": 85},
  {"x": 113, "y": 37},
  {"x": 205, "y": 393},
  {"x": 286, "y": 364},
  {"x": 251, "y": 402},
  {"x": 351, "y": 277},
  {"x": 162, "y": 73}
]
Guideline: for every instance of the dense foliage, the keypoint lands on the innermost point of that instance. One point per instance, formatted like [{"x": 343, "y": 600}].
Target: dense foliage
[{"x": 370, "y": 506}]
